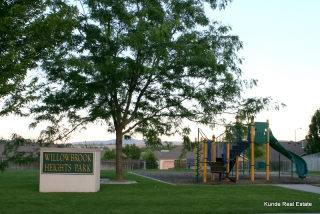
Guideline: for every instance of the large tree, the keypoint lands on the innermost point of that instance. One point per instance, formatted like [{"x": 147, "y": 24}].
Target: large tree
[
  {"x": 313, "y": 137},
  {"x": 30, "y": 30},
  {"x": 144, "y": 66}
]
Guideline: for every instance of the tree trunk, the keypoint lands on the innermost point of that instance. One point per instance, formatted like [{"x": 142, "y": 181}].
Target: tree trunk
[{"x": 119, "y": 176}]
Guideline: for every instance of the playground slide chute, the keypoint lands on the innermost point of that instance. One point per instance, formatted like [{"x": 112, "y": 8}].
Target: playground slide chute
[{"x": 300, "y": 163}]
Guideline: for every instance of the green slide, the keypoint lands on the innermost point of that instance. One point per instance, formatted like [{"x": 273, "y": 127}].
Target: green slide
[{"x": 300, "y": 163}]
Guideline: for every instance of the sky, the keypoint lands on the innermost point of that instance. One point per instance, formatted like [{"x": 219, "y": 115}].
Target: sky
[{"x": 281, "y": 40}]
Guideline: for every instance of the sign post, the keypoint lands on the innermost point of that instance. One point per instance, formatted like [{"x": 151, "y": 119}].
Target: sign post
[{"x": 69, "y": 170}]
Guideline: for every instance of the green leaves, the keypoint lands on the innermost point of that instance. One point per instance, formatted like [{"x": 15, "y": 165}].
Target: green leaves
[
  {"x": 151, "y": 159},
  {"x": 313, "y": 137},
  {"x": 109, "y": 154},
  {"x": 132, "y": 151},
  {"x": 144, "y": 66},
  {"x": 30, "y": 32},
  {"x": 138, "y": 66},
  {"x": 18, "y": 150}
]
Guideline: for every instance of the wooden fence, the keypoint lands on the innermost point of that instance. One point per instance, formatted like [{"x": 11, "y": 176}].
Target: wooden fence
[
  {"x": 32, "y": 166},
  {"x": 313, "y": 161},
  {"x": 126, "y": 164},
  {"x": 104, "y": 165}
]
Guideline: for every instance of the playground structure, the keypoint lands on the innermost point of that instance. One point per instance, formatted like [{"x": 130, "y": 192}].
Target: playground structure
[{"x": 222, "y": 157}]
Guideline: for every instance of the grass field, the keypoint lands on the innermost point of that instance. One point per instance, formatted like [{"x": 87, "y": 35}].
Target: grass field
[
  {"x": 314, "y": 172},
  {"x": 19, "y": 193}
]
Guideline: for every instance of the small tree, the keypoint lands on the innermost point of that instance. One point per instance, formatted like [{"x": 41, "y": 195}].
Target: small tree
[
  {"x": 313, "y": 137},
  {"x": 132, "y": 151},
  {"x": 151, "y": 159},
  {"x": 109, "y": 154},
  {"x": 168, "y": 145}
]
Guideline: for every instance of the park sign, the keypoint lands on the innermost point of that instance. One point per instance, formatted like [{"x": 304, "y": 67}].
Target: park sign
[
  {"x": 67, "y": 169},
  {"x": 63, "y": 162}
]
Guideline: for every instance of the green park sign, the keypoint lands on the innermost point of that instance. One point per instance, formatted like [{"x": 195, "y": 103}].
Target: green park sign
[{"x": 67, "y": 163}]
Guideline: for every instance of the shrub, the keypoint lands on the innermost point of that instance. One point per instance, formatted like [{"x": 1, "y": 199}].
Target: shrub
[
  {"x": 151, "y": 159},
  {"x": 109, "y": 154},
  {"x": 132, "y": 151}
]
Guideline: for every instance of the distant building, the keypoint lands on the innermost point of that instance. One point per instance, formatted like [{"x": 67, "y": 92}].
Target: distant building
[
  {"x": 167, "y": 157},
  {"x": 295, "y": 147}
]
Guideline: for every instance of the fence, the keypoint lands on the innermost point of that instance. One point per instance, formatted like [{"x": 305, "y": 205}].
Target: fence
[
  {"x": 313, "y": 162},
  {"x": 32, "y": 166},
  {"x": 284, "y": 165},
  {"x": 182, "y": 164},
  {"x": 126, "y": 164},
  {"x": 104, "y": 164}
]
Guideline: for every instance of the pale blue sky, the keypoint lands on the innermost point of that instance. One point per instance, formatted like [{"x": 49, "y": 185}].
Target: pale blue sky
[{"x": 281, "y": 49}]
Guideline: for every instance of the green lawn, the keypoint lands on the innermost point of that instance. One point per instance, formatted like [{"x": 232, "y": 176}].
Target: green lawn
[
  {"x": 19, "y": 193},
  {"x": 314, "y": 172}
]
